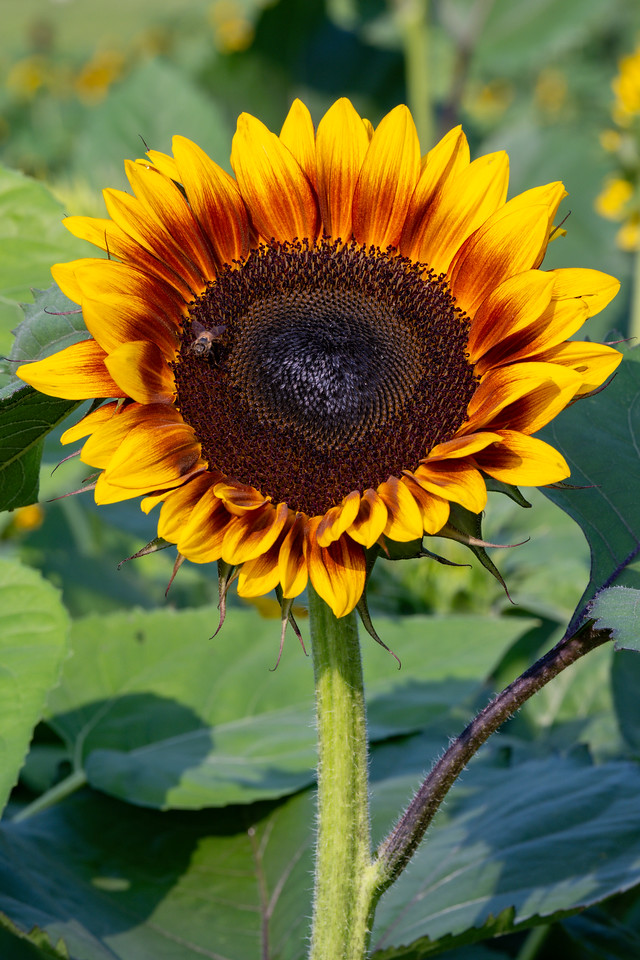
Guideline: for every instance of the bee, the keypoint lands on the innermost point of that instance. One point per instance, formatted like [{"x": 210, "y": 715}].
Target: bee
[{"x": 205, "y": 339}]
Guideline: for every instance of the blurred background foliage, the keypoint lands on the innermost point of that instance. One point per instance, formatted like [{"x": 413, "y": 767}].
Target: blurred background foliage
[{"x": 87, "y": 83}]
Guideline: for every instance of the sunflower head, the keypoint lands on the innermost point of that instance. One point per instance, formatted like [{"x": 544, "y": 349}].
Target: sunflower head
[{"x": 325, "y": 353}]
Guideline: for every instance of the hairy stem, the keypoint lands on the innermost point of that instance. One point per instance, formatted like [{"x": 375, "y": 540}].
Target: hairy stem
[
  {"x": 345, "y": 876},
  {"x": 398, "y": 848}
]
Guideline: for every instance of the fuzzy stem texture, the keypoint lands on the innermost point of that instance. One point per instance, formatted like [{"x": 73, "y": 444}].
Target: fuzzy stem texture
[
  {"x": 345, "y": 876},
  {"x": 398, "y": 848}
]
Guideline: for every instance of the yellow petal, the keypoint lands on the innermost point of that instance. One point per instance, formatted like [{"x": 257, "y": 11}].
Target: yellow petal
[
  {"x": 292, "y": 565},
  {"x": 336, "y": 520},
  {"x": 458, "y": 209},
  {"x": 388, "y": 177},
  {"x": 594, "y": 362},
  {"x": 89, "y": 423},
  {"x": 298, "y": 136},
  {"x": 453, "y": 480},
  {"x": 525, "y": 460},
  {"x": 404, "y": 521},
  {"x": 342, "y": 144},
  {"x": 277, "y": 193},
  {"x": 434, "y": 510},
  {"x": 141, "y": 370},
  {"x": 254, "y": 533},
  {"x": 338, "y": 572},
  {"x": 76, "y": 373},
  {"x": 215, "y": 200},
  {"x": 371, "y": 520}
]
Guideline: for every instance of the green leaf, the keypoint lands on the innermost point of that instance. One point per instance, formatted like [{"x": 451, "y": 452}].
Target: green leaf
[
  {"x": 599, "y": 437},
  {"x": 601, "y": 937},
  {"x": 512, "y": 847},
  {"x": 34, "y": 945},
  {"x": 33, "y": 644},
  {"x": 32, "y": 238},
  {"x": 26, "y": 416},
  {"x": 618, "y": 609},
  {"x": 625, "y": 681},
  {"x": 159, "y": 714},
  {"x": 523, "y": 845}
]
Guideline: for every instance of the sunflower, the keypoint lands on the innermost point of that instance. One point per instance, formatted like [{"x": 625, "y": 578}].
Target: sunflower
[{"x": 325, "y": 351}]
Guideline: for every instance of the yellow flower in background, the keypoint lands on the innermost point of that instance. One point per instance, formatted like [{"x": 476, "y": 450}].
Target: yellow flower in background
[
  {"x": 626, "y": 87},
  {"x": 325, "y": 350},
  {"x": 93, "y": 82},
  {"x": 612, "y": 201}
]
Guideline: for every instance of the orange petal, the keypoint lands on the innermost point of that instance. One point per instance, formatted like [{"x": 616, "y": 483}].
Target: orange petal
[
  {"x": 338, "y": 572},
  {"x": 509, "y": 307},
  {"x": 261, "y": 575},
  {"x": 336, "y": 520},
  {"x": 215, "y": 200},
  {"x": 550, "y": 194},
  {"x": 141, "y": 370},
  {"x": 371, "y": 520},
  {"x": 594, "y": 362},
  {"x": 292, "y": 565},
  {"x": 138, "y": 222},
  {"x": 75, "y": 373},
  {"x": 404, "y": 521},
  {"x": 119, "y": 304},
  {"x": 453, "y": 480},
  {"x": 107, "y": 235},
  {"x": 203, "y": 533},
  {"x": 458, "y": 209},
  {"x": 178, "y": 506},
  {"x": 89, "y": 423},
  {"x": 520, "y": 459},
  {"x": 280, "y": 199},
  {"x": 153, "y": 455},
  {"x": 462, "y": 446},
  {"x": 388, "y": 177},
  {"x": 254, "y": 533},
  {"x": 108, "y": 433},
  {"x": 297, "y": 134},
  {"x": 164, "y": 163},
  {"x": 521, "y": 397},
  {"x": 239, "y": 497},
  {"x": 342, "y": 143},
  {"x": 433, "y": 509},
  {"x": 507, "y": 244},
  {"x": 165, "y": 202}
]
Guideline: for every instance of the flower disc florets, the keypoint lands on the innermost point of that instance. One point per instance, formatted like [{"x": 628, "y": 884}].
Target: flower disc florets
[{"x": 337, "y": 366}]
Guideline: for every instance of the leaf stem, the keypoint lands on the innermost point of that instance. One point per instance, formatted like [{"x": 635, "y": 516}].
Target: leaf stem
[
  {"x": 398, "y": 848},
  {"x": 345, "y": 875},
  {"x": 61, "y": 790}
]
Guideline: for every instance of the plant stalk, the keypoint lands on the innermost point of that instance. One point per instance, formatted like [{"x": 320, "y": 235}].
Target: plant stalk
[
  {"x": 398, "y": 848},
  {"x": 345, "y": 876},
  {"x": 413, "y": 19}
]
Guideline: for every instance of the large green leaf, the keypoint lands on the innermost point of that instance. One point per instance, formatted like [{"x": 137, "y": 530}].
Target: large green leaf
[
  {"x": 159, "y": 714},
  {"x": 618, "y": 609},
  {"x": 513, "y": 846},
  {"x": 51, "y": 323},
  {"x": 32, "y": 238},
  {"x": 517, "y": 845},
  {"x": 599, "y": 437},
  {"x": 33, "y": 644}
]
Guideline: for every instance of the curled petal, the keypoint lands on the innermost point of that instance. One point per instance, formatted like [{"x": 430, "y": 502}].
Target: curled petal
[
  {"x": 336, "y": 520},
  {"x": 434, "y": 510},
  {"x": 254, "y": 533},
  {"x": 404, "y": 521},
  {"x": 457, "y": 480},
  {"x": 239, "y": 497},
  {"x": 338, "y": 572},
  {"x": 371, "y": 520},
  {"x": 292, "y": 564}
]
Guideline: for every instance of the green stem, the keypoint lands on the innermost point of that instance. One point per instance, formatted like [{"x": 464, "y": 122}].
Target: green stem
[
  {"x": 345, "y": 875},
  {"x": 634, "y": 320},
  {"x": 61, "y": 790},
  {"x": 532, "y": 945},
  {"x": 413, "y": 18}
]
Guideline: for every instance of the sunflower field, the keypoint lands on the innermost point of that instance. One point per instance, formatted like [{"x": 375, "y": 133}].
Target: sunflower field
[{"x": 320, "y": 480}]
